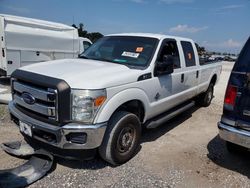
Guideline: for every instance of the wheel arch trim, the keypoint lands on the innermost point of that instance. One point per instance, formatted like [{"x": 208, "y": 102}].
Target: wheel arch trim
[{"x": 121, "y": 98}]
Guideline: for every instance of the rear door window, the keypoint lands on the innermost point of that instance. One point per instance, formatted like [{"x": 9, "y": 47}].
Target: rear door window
[
  {"x": 243, "y": 62},
  {"x": 188, "y": 53}
]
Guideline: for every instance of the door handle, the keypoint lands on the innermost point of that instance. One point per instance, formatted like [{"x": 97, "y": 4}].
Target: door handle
[
  {"x": 182, "y": 78},
  {"x": 197, "y": 74},
  {"x": 3, "y": 52}
]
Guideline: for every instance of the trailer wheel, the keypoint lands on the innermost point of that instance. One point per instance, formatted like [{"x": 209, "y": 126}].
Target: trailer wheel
[
  {"x": 205, "y": 98},
  {"x": 121, "y": 139}
]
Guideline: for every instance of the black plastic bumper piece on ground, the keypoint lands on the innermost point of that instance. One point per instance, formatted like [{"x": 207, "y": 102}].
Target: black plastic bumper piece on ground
[
  {"x": 37, "y": 167},
  {"x": 18, "y": 149}
]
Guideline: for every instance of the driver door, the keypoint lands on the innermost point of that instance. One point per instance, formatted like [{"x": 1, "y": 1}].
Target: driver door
[{"x": 168, "y": 90}]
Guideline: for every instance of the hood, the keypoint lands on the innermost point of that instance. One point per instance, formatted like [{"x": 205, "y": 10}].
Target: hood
[{"x": 86, "y": 74}]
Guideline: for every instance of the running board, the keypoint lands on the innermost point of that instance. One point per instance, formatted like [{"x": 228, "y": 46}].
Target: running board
[{"x": 157, "y": 122}]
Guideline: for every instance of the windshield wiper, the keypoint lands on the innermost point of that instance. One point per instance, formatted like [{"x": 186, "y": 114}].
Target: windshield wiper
[
  {"x": 103, "y": 59},
  {"x": 98, "y": 59},
  {"x": 83, "y": 57},
  {"x": 111, "y": 61}
]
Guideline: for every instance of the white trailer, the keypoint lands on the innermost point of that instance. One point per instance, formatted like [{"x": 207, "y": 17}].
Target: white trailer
[{"x": 25, "y": 41}]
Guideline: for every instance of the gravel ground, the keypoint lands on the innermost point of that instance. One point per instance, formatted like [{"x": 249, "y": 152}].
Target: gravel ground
[{"x": 185, "y": 152}]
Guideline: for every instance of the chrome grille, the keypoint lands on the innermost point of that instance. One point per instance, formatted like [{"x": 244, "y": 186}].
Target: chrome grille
[{"x": 45, "y": 102}]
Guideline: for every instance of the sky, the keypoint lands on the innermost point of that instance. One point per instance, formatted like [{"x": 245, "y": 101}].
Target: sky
[{"x": 219, "y": 25}]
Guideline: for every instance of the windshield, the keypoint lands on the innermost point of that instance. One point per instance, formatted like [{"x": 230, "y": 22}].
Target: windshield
[{"x": 127, "y": 50}]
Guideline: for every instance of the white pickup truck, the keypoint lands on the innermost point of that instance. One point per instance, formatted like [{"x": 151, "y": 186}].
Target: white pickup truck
[{"x": 101, "y": 101}]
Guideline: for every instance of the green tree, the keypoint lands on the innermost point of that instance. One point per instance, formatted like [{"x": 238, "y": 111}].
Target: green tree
[
  {"x": 94, "y": 36},
  {"x": 201, "y": 50},
  {"x": 84, "y": 33}
]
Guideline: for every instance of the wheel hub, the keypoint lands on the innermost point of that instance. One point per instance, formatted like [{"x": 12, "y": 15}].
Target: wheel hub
[{"x": 125, "y": 139}]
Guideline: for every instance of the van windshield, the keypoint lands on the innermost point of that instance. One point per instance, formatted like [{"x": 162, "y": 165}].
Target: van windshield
[
  {"x": 127, "y": 50},
  {"x": 243, "y": 62}
]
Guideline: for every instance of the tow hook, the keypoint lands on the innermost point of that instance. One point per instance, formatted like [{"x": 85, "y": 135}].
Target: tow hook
[{"x": 39, "y": 164}]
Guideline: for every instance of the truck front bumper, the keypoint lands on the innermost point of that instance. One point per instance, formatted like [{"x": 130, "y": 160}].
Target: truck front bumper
[
  {"x": 71, "y": 136},
  {"x": 234, "y": 135}
]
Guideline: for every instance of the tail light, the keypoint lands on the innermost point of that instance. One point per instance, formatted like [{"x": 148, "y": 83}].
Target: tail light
[{"x": 230, "y": 96}]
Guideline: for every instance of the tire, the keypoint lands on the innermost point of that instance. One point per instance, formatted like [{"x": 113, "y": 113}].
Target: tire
[
  {"x": 121, "y": 139},
  {"x": 205, "y": 99},
  {"x": 234, "y": 148}
]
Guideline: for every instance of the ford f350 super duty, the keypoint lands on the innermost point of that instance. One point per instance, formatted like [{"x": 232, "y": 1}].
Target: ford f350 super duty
[{"x": 102, "y": 100}]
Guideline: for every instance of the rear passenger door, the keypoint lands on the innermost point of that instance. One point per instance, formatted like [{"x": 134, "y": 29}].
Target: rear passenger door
[{"x": 190, "y": 74}]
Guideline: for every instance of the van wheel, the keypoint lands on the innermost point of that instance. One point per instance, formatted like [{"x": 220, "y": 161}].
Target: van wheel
[
  {"x": 121, "y": 139},
  {"x": 205, "y": 98}
]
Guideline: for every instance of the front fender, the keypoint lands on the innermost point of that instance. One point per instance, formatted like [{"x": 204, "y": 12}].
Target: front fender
[{"x": 120, "y": 98}]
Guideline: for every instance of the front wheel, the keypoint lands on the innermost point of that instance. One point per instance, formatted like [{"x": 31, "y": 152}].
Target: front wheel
[
  {"x": 121, "y": 139},
  {"x": 205, "y": 99}
]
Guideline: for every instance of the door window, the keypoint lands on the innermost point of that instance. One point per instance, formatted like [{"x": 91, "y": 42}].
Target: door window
[
  {"x": 188, "y": 53},
  {"x": 170, "y": 48}
]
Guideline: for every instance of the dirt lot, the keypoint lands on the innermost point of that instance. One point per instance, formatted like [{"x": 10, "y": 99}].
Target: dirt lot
[{"x": 185, "y": 152}]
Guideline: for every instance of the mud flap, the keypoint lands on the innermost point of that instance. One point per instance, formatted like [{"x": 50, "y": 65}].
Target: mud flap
[{"x": 40, "y": 163}]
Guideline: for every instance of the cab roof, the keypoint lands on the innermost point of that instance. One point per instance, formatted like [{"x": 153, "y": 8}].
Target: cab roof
[{"x": 151, "y": 35}]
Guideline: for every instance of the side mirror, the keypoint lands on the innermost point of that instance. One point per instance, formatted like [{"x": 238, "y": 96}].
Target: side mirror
[{"x": 166, "y": 66}]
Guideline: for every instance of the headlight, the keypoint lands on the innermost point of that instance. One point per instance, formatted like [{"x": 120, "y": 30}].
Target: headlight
[{"x": 86, "y": 103}]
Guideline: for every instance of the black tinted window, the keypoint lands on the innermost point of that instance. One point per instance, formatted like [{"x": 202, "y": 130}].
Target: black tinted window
[
  {"x": 188, "y": 53},
  {"x": 243, "y": 62},
  {"x": 170, "y": 48}
]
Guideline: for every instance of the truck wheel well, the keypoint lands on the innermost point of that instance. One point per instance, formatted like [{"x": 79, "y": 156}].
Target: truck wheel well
[
  {"x": 214, "y": 79},
  {"x": 135, "y": 106}
]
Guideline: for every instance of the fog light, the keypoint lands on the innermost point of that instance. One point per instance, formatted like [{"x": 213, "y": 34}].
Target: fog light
[{"x": 77, "y": 138}]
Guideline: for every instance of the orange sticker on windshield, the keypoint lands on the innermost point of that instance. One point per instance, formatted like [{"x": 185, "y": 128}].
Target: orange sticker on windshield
[
  {"x": 139, "y": 49},
  {"x": 189, "y": 56}
]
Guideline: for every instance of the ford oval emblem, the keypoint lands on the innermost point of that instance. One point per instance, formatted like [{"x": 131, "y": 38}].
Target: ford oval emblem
[{"x": 28, "y": 98}]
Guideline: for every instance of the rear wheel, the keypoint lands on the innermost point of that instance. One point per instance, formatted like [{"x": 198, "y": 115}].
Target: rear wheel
[
  {"x": 122, "y": 138},
  {"x": 205, "y": 99}
]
